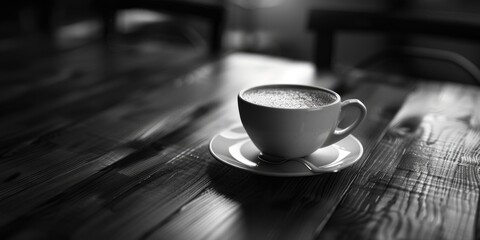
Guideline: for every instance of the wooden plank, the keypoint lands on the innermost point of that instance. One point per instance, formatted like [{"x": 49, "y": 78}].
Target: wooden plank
[
  {"x": 141, "y": 168},
  {"x": 421, "y": 181},
  {"x": 117, "y": 153},
  {"x": 239, "y": 205},
  {"x": 70, "y": 87}
]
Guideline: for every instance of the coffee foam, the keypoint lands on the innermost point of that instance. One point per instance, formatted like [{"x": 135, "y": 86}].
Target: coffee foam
[{"x": 288, "y": 97}]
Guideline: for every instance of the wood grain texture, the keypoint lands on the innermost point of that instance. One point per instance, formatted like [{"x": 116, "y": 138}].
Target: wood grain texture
[
  {"x": 239, "y": 205},
  {"x": 421, "y": 181},
  {"x": 110, "y": 146},
  {"x": 119, "y": 155}
]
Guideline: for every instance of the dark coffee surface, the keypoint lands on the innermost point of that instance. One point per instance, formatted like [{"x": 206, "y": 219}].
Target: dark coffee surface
[{"x": 288, "y": 97}]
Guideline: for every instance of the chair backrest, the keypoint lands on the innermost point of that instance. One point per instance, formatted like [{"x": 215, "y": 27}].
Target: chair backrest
[
  {"x": 210, "y": 10},
  {"x": 327, "y": 23}
]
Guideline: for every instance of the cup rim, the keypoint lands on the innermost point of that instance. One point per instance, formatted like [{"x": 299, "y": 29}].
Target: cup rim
[{"x": 337, "y": 96}]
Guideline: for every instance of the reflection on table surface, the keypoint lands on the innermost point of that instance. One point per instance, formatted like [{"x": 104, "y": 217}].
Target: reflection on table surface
[{"x": 103, "y": 145}]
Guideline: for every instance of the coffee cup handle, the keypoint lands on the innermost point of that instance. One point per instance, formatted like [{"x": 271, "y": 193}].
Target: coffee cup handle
[{"x": 341, "y": 133}]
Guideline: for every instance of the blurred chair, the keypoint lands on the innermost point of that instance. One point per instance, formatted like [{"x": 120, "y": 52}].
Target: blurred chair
[
  {"x": 211, "y": 11},
  {"x": 399, "y": 27}
]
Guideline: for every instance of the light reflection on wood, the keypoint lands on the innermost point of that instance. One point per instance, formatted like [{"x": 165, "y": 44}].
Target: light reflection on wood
[
  {"x": 422, "y": 179},
  {"x": 113, "y": 146}
]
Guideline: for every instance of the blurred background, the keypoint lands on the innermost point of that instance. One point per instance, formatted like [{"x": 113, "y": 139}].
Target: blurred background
[{"x": 276, "y": 27}]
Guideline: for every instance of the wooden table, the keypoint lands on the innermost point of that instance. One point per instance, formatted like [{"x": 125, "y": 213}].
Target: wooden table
[{"x": 95, "y": 148}]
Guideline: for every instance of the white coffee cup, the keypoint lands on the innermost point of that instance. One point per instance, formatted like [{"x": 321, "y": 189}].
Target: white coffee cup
[{"x": 292, "y": 121}]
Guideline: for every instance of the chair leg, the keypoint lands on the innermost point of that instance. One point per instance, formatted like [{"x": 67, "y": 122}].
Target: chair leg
[
  {"x": 324, "y": 50},
  {"x": 216, "y": 33},
  {"x": 108, "y": 16}
]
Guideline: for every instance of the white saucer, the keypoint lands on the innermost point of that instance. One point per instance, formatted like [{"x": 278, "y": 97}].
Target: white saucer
[{"x": 234, "y": 147}]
